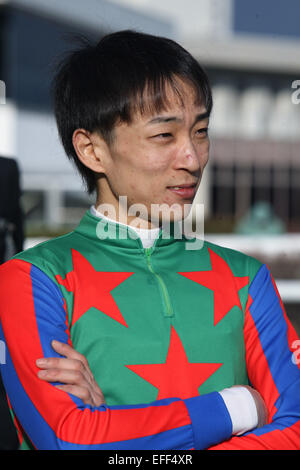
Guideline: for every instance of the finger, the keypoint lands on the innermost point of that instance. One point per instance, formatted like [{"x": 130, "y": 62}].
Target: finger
[
  {"x": 60, "y": 363},
  {"x": 79, "y": 392},
  {"x": 65, "y": 364},
  {"x": 64, "y": 376},
  {"x": 59, "y": 346},
  {"x": 83, "y": 393},
  {"x": 98, "y": 398},
  {"x": 68, "y": 351}
]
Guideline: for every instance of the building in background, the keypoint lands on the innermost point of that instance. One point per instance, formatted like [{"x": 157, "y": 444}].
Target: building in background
[
  {"x": 34, "y": 34},
  {"x": 251, "y": 53}
]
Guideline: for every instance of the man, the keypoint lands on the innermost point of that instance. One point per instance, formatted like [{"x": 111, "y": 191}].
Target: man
[{"x": 174, "y": 332}]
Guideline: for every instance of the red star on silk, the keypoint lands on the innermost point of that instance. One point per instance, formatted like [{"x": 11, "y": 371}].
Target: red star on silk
[
  {"x": 177, "y": 377},
  {"x": 92, "y": 288},
  {"x": 224, "y": 284}
]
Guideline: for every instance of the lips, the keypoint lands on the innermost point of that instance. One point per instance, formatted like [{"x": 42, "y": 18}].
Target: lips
[
  {"x": 185, "y": 191},
  {"x": 179, "y": 186}
]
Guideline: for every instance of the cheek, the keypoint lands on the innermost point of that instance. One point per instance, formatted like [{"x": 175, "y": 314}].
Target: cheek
[
  {"x": 157, "y": 163},
  {"x": 204, "y": 154}
]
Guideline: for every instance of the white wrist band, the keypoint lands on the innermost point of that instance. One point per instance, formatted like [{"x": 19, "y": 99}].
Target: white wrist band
[{"x": 242, "y": 409}]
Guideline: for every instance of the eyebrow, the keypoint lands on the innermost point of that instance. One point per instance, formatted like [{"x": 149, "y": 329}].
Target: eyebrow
[{"x": 164, "y": 119}]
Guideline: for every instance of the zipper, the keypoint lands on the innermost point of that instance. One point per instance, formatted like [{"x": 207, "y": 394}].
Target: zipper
[{"x": 162, "y": 285}]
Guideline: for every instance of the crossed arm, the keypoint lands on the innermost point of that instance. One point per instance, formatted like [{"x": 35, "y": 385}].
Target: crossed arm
[
  {"x": 199, "y": 422},
  {"x": 73, "y": 375}
]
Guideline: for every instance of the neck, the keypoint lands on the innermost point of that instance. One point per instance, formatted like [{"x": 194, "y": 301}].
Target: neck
[
  {"x": 120, "y": 213},
  {"x": 147, "y": 236}
]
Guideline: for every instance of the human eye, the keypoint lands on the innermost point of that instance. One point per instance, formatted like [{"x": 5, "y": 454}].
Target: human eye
[
  {"x": 202, "y": 132},
  {"x": 162, "y": 135}
]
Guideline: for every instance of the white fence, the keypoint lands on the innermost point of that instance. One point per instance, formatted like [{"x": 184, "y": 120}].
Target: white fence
[{"x": 287, "y": 246}]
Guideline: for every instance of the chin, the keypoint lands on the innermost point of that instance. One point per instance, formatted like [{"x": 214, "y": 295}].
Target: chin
[{"x": 166, "y": 213}]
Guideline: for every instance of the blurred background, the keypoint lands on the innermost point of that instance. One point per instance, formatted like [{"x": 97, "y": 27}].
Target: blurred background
[{"x": 251, "y": 52}]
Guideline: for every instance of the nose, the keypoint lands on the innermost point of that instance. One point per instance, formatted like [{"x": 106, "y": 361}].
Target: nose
[{"x": 191, "y": 157}]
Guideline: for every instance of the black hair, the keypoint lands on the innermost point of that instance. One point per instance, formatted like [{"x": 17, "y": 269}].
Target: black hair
[{"x": 99, "y": 84}]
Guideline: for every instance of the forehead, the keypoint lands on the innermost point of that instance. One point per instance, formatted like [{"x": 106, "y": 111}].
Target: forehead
[{"x": 177, "y": 96}]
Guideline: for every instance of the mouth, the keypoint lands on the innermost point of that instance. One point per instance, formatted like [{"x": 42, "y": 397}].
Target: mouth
[{"x": 186, "y": 191}]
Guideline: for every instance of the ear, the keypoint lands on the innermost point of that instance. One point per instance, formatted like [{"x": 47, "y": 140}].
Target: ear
[{"x": 91, "y": 149}]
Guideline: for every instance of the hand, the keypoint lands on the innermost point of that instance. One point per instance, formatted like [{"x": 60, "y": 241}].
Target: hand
[
  {"x": 73, "y": 372},
  {"x": 262, "y": 411}
]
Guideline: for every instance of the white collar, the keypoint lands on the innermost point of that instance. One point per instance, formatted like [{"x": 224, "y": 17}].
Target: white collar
[{"x": 147, "y": 236}]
